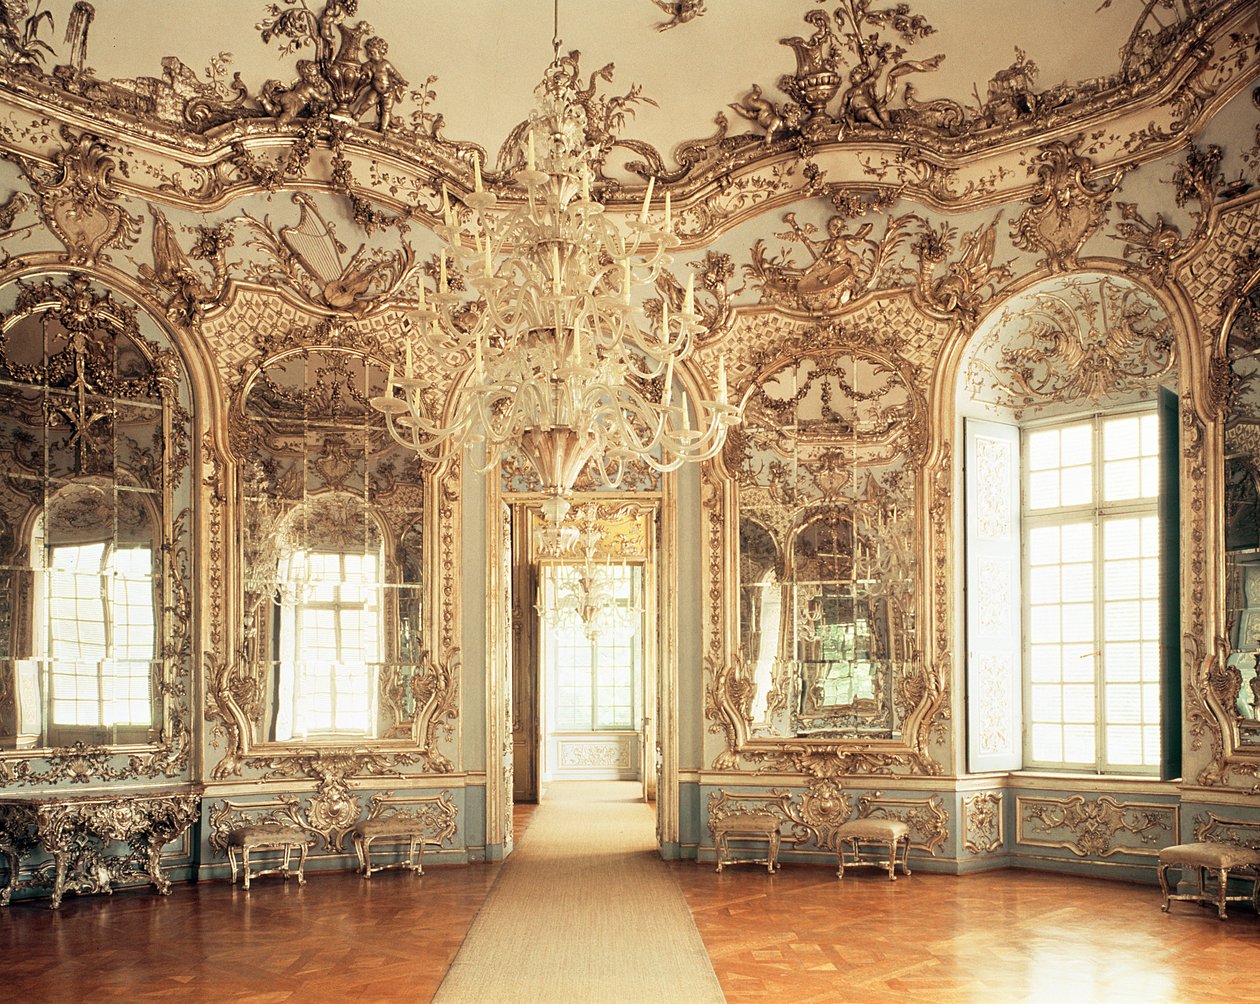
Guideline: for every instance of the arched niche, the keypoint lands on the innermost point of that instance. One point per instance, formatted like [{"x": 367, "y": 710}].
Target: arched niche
[
  {"x": 1065, "y": 390},
  {"x": 95, "y": 536}
]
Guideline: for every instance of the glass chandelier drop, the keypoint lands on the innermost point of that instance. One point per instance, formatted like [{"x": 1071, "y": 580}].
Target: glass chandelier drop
[{"x": 552, "y": 353}]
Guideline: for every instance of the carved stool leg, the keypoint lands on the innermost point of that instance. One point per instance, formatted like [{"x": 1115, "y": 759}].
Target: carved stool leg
[
  {"x": 160, "y": 882},
  {"x": 1222, "y": 883},
  {"x": 301, "y": 872},
  {"x": 232, "y": 862},
  {"x": 772, "y": 858},
  {"x": 840, "y": 858},
  {"x": 721, "y": 851},
  {"x": 416, "y": 849},
  {"x": 905, "y": 856},
  {"x": 1162, "y": 872},
  {"x": 367, "y": 856},
  {"x": 245, "y": 856},
  {"x": 284, "y": 863},
  {"x": 358, "y": 850}
]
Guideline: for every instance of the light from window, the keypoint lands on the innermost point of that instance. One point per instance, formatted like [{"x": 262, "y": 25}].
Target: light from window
[{"x": 1092, "y": 595}]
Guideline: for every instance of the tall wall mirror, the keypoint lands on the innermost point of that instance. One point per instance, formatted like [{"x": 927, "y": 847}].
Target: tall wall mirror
[
  {"x": 825, "y": 469},
  {"x": 94, "y": 526},
  {"x": 1242, "y": 523},
  {"x": 333, "y": 646}
]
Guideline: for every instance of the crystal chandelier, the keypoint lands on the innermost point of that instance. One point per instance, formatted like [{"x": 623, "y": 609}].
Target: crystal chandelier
[
  {"x": 588, "y": 593},
  {"x": 552, "y": 353}
]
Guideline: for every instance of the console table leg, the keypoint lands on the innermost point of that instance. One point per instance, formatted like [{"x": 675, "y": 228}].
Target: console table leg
[
  {"x": 7, "y": 892},
  {"x": 59, "y": 880},
  {"x": 158, "y": 877}
]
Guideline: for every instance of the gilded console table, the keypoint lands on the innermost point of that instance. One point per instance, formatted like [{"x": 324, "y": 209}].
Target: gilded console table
[{"x": 77, "y": 831}]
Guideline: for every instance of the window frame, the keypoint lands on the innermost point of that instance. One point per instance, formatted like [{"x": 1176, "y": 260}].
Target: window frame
[{"x": 1096, "y": 512}]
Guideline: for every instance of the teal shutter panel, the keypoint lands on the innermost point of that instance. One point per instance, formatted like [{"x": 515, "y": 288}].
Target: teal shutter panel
[
  {"x": 1169, "y": 586},
  {"x": 993, "y": 579}
]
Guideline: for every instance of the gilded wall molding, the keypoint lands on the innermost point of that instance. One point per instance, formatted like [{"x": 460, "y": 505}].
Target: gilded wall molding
[
  {"x": 1096, "y": 828},
  {"x": 1208, "y": 826}
]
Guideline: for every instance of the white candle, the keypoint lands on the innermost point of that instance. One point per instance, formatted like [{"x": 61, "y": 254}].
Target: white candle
[
  {"x": 647, "y": 199},
  {"x": 586, "y": 185},
  {"x": 411, "y": 367},
  {"x": 625, "y": 288},
  {"x": 669, "y": 214},
  {"x": 555, "y": 270},
  {"x": 442, "y": 272},
  {"x": 689, "y": 301},
  {"x": 489, "y": 261},
  {"x": 476, "y": 172},
  {"x": 668, "y": 392},
  {"x": 446, "y": 207},
  {"x": 422, "y": 303},
  {"x": 529, "y": 152},
  {"x": 665, "y": 321}
]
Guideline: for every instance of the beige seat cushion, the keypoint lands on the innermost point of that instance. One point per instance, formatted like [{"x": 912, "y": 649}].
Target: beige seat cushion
[
  {"x": 267, "y": 834},
  {"x": 874, "y": 829},
  {"x": 747, "y": 822},
  {"x": 1207, "y": 854},
  {"x": 389, "y": 826}
]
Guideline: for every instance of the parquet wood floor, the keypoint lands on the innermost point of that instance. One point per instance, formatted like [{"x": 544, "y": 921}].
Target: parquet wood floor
[
  {"x": 799, "y": 936},
  {"x": 804, "y": 936}
]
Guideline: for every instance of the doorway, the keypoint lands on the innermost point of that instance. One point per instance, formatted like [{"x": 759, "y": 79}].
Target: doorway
[
  {"x": 591, "y": 669},
  {"x": 584, "y": 700}
]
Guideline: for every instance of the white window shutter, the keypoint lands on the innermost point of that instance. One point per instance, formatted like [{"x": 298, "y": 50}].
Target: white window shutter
[{"x": 993, "y": 580}]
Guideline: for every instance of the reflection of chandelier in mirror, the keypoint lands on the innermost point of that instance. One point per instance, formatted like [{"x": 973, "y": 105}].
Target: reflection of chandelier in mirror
[{"x": 550, "y": 359}]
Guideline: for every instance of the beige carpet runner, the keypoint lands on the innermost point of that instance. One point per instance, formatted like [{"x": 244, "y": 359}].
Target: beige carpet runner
[{"x": 584, "y": 910}]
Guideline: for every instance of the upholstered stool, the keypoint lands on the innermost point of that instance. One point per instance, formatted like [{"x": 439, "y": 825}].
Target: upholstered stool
[
  {"x": 245, "y": 840},
  {"x": 870, "y": 836},
  {"x": 1219, "y": 858},
  {"x": 390, "y": 830},
  {"x": 747, "y": 826}
]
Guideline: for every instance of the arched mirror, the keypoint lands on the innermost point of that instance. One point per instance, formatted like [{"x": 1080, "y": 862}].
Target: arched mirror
[
  {"x": 333, "y": 646},
  {"x": 824, "y": 468},
  {"x": 1242, "y": 522},
  {"x": 94, "y": 524}
]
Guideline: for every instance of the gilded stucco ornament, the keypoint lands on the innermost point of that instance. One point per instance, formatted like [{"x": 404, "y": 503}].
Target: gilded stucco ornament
[
  {"x": 1157, "y": 246},
  {"x": 77, "y": 198},
  {"x": 679, "y": 11},
  {"x": 982, "y": 823},
  {"x": 1095, "y": 828},
  {"x": 1066, "y": 208}
]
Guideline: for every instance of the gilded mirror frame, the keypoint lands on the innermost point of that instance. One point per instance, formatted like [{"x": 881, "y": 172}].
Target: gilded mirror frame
[
  {"x": 729, "y": 686},
  {"x": 235, "y": 682},
  {"x": 93, "y": 306}
]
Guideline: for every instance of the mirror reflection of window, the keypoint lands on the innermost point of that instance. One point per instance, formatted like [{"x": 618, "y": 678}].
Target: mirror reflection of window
[
  {"x": 97, "y": 652},
  {"x": 329, "y": 644}
]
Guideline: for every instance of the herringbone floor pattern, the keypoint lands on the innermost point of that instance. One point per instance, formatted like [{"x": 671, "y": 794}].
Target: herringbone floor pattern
[{"x": 798, "y": 936}]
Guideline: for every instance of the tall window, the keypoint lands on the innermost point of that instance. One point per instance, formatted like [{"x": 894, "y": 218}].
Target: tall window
[
  {"x": 1091, "y": 594},
  {"x": 330, "y": 643},
  {"x": 596, "y": 677},
  {"x": 101, "y": 633}
]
